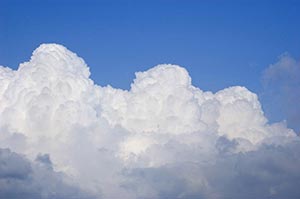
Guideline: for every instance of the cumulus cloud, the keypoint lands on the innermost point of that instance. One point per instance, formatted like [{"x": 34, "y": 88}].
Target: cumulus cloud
[
  {"x": 20, "y": 178},
  {"x": 282, "y": 89},
  {"x": 163, "y": 138}
]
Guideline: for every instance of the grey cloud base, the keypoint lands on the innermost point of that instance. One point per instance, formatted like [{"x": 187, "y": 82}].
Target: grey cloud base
[
  {"x": 163, "y": 138},
  {"x": 20, "y": 178}
]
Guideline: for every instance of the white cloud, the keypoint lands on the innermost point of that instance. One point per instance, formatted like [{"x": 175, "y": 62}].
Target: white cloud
[{"x": 162, "y": 138}]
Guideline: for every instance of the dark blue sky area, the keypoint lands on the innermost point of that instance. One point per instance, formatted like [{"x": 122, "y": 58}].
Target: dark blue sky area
[{"x": 221, "y": 43}]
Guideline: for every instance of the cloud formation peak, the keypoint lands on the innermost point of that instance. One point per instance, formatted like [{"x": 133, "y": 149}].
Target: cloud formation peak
[{"x": 162, "y": 138}]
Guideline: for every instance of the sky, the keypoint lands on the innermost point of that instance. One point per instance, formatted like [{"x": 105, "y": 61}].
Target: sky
[
  {"x": 221, "y": 43},
  {"x": 149, "y": 99}
]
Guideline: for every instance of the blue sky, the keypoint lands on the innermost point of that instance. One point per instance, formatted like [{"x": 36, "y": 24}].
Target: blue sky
[
  {"x": 221, "y": 43},
  {"x": 157, "y": 141}
]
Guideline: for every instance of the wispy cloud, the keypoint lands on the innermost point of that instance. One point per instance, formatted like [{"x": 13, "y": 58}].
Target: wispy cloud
[{"x": 282, "y": 89}]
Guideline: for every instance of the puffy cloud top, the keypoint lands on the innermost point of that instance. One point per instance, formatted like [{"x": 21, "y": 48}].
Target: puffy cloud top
[{"x": 162, "y": 138}]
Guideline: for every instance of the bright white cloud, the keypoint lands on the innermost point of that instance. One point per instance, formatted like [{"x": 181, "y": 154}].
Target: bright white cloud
[{"x": 162, "y": 138}]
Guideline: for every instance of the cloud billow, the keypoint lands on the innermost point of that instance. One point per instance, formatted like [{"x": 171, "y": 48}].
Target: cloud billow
[
  {"x": 20, "y": 178},
  {"x": 163, "y": 138}
]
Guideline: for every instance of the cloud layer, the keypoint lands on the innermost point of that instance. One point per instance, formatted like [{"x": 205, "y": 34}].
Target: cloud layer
[{"x": 163, "y": 138}]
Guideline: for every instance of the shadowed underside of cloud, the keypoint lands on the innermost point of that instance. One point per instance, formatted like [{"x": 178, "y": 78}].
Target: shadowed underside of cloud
[
  {"x": 163, "y": 138},
  {"x": 271, "y": 172},
  {"x": 20, "y": 178}
]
